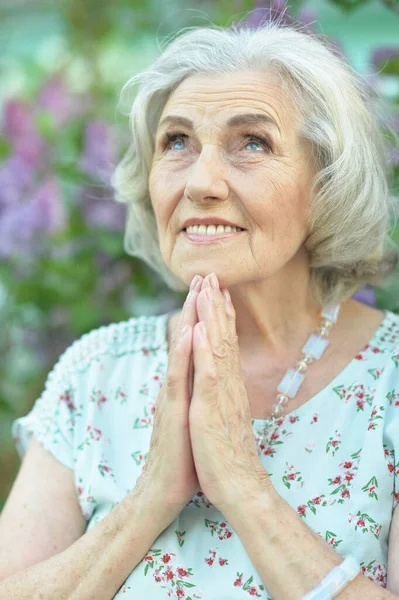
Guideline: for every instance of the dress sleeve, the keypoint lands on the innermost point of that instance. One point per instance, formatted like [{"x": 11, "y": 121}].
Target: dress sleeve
[
  {"x": 52, "y": 418},
  {"x": 391, "y": 425}
]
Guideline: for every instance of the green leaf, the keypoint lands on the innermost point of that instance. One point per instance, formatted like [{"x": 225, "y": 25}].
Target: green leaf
[
  {"x": 5, "y": 148},
  {"x": 84, "y": 316}
]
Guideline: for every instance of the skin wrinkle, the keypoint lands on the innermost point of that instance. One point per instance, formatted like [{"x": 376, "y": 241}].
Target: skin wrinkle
[{"x": 216, "y": 172}]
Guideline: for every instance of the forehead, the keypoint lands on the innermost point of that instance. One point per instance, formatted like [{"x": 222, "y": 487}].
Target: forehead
[{"x": 214, "y": 97}]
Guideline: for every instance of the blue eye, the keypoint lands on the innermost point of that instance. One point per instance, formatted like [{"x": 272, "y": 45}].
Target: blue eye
[
  {"x": 174, "y": 138},
  {"x": 253, "y": 139}
]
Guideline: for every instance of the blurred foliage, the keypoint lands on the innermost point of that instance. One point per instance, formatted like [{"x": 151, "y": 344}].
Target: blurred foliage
[{"x": 63, "y": 269}]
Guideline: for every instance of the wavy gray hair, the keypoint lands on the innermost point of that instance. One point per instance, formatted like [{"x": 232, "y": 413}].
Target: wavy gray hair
[{"x": 351, "y": 206}]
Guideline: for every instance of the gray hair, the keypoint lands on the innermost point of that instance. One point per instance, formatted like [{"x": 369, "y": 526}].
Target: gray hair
[{"x": 351, "y": 205}]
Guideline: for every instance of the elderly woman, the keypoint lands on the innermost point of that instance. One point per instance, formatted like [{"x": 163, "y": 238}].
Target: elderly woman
[{"x": 245, "y": 445}]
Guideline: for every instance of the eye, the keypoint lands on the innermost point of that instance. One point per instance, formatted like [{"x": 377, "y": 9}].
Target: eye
[
  {"x": 253, "y": 139},
  {"x": 172, "y": 138}
]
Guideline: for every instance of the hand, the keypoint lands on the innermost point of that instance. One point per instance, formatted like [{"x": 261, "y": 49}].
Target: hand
[
  {"x": 169, "y": 474},
  {"x": 223, "y": 442}
]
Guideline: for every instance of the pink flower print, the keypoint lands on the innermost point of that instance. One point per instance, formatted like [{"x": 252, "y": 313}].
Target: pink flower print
[
  {"x": 145, "y": 351},
  {"x": 99, "y": 397},
  {"x": 68, "y": 399},
  {"x": 317, "y": 500},
  {"x": 360, "y": 523},
  {"x": 376, "y": 350},
  {"x": 302, "y": 510},
  {"x": 209, "y": 561},
  {"x": 166, "y": 558},
  {"x": 222, "y": 561},
  {"x": 238, "y": 582},
  {"x": 347, "y": 464},
  {"x": 105, "y": 469},
  {"x": 345, "y": 493},
  {"x": 391, "y": 468},
  {"x": 333, "y": 443},
  {"x": 121, "y": 395},
  {"x": 293, "y": 419},
  {"x": 349, "y": 476},
  {"x": 337, "y": 480},
  {"x": 315, "y": 418},
  {"x": 182, "y": 572},
  {"x": 95, "y": 434}
]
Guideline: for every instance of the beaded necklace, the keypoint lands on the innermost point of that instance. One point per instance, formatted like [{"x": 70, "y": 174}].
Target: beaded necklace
[{"x": 293, "y": 379}]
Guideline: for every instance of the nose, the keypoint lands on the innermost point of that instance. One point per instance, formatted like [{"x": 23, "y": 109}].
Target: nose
[{"x": 207, "y": 177}]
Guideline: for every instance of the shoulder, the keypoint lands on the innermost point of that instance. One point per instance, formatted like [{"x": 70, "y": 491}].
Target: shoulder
[{"x": 115, "y": 339}]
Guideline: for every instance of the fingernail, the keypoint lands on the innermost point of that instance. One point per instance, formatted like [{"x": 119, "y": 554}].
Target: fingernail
[
  {"x": 226, "y": 294},
  {"x": 194, "y": 281},
  {"x": 214, "y": 281}
]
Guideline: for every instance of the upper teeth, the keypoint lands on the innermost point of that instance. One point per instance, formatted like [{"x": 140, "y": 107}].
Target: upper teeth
[{"x": 211, "y": 229}]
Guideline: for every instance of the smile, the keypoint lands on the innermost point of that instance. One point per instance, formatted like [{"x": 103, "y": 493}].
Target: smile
[{"x": 210, "y": 238}]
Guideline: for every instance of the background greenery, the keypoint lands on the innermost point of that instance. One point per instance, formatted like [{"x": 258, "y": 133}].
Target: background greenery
[{"x": 63, "y": 270}]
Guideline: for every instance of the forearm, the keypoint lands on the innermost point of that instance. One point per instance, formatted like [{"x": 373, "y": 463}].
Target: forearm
[
  {"x": 289, "y": 556},
  {"x": 96, "y": 565}
]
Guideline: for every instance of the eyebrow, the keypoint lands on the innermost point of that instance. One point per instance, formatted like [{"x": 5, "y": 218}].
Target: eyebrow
[{"x": 235, "y": 121}]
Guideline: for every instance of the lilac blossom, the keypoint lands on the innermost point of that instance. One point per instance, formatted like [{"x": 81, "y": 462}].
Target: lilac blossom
[
  {"x": 365, "y": 295},
  {"x": 383, "y": 54},
  {"x": 40, "y": 211},
  {"x": 101, "y": 210},
  {"x": 56, "y": 99},
  {"x": 19, "y": 128},
  {"x": 100, "y": 152},
  {"x": 307, "y": 15}
]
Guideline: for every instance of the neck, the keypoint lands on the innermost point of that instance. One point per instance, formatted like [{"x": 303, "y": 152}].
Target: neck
[{"x": 275, "y": 316}]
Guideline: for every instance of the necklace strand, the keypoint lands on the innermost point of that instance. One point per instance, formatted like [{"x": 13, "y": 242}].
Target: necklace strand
[{"x": 293, "y": 379}]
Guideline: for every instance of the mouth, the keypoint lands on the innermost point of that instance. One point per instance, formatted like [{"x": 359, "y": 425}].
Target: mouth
[{"x": 211, "y": 238}]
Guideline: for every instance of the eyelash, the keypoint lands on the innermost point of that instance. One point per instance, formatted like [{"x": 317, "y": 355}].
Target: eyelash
[{"x": 172, "y": 137}]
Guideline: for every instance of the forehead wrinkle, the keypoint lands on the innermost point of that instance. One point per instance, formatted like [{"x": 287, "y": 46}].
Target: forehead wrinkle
[{"x": 193, "y": 102}]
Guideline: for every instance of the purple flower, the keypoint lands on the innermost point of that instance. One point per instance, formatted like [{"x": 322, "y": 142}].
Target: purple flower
[
  {"x": 307, "y": 15},
  {"x": 268, "y": 11},
  {"x": 100, "y": 151},
  {"x": 41, "y": 211},
  {"x": 19, "y": 127},
  {"x": 18, "y": 119},
  {"x": 16, "y": 178},
  {"x": 380, "y": 56},
  {"x": 56, "y": 99},
  {"x": 101, "y": 210},
  {"x": 365, "y": 295}
]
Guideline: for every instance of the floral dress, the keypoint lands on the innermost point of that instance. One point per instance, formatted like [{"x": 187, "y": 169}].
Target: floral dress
[{"x": 335, "y": 459}]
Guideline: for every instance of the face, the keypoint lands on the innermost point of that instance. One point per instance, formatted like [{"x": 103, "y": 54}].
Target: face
[{"x": 254, "y": 174}]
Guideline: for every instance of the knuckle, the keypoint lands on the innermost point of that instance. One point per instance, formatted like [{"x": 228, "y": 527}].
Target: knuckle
[{"x": 173, "y": 379}]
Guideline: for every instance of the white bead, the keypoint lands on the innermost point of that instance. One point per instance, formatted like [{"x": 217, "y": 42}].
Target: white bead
[
  {"x": 282, "y": 399},
  {"x": 315, "y": 346},
  {"x": 290, "y": 383},
  {"x": 323, "y": 332},
  {"x": 308, "y": 359},
  {"x": 327, "y": 324},
  {"x": 277, "y": 410},
  {"x": 302, "y": 366}
]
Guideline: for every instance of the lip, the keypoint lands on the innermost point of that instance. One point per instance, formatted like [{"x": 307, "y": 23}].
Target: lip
[{"x": 205, "y": 240}]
